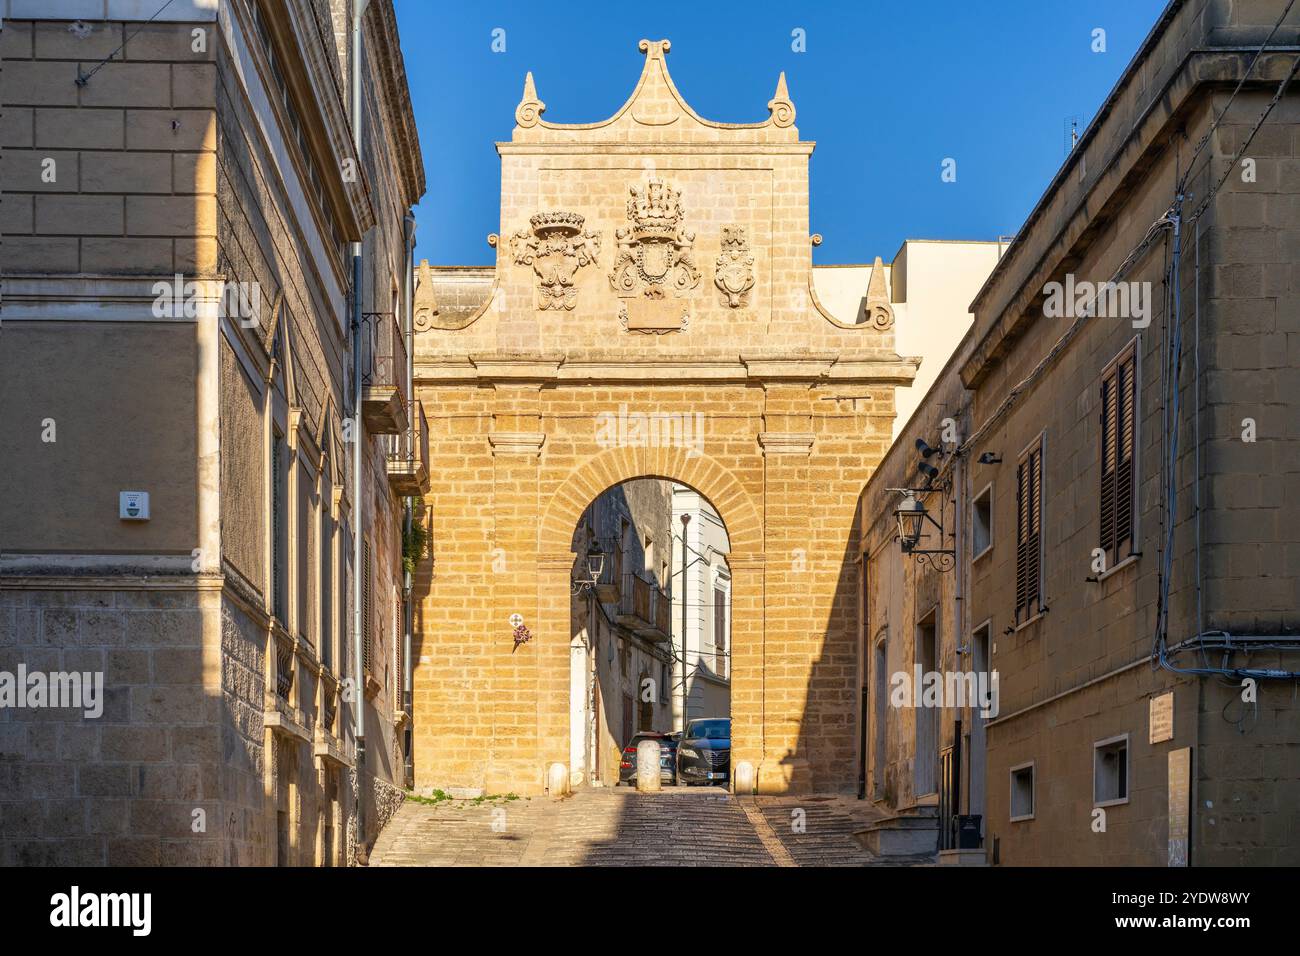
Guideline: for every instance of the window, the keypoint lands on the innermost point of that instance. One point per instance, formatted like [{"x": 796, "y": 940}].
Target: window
[
  {"x": 1022, "y": 792},
  {"x": 720, "y": 632},
  {"x": 367, "y": 622},
  {"x": 926, "y": 657},
  {"x": 326, "y": 573},
  {"x": 620, "y": 546},
  {"x": 645, "y": 704},
  {"x": 399, "y": 621},
  {"x": 982, "y": 523},
  {"x": 1110, "y": 771},
  {"x": 295, "y": 133},
  {"x": 1029, "y": 533},
  {"x": 1118, "y": 440},
  {"x": 880, "y": 698},
  {"x": 279, "y": 530},
  {"x": 665, "y": 682}
]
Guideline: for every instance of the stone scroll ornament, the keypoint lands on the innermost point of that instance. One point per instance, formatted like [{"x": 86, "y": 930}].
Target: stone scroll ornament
[
  {"x": 656, "y": 253},
  {"x": 734, "y": 272},
  {"x": 556, "y": 248}
]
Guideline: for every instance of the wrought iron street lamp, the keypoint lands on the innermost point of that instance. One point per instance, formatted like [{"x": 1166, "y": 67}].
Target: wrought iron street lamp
[
  {"x": 912, "y": 519},
  {"x": 588, "y": 574}
]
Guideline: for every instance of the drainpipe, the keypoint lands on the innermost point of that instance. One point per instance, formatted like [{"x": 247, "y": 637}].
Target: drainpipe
[
  {"x": 686, "y": 592},
  {"x": 407, "y": 703},
  {"x": 358, "y": 509}
]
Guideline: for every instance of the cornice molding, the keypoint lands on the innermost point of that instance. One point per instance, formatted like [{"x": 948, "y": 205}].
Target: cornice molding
[
  {"x": 786, "y": 443},
  {"x": 1050, "y": 241},
  {"x": 516, "y": 443},
  {"x": 391, "y": 69},
  {"x": 323, "y": 111},
  {"x": 869, "y": 369}
]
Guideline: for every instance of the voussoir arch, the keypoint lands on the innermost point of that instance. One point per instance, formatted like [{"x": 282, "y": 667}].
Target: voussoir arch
[{"x": 706, "y": 475}]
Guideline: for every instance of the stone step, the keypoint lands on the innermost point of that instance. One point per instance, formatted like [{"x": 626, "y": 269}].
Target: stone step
[{"x": 905, "y": 834}]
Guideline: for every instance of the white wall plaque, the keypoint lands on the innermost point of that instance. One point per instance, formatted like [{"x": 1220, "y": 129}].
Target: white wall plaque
[
  {"x": 133, "y": 505},
  {"x": 1162, "y": 718}
]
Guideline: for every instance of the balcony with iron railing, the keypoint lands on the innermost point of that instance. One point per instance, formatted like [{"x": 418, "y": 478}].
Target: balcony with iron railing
[
  {"x": 281, "y": 712},
  {"x": 328, "y": 743},
  {"x": 384, "y": 398},
  {"x": 408, "y": 455},
  {"x": 663, "y": 613},
  {"x": 644, "y": 608}
]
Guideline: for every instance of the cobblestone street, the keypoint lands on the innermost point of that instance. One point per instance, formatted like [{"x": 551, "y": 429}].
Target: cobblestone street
[{"x": 620, "y": 827}]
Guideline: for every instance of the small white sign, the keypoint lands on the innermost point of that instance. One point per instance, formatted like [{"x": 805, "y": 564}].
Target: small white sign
[
  {"x": 133, "y": 505},
  {"x": 1162, "y": 718},
  {"x": 516, "y": 620}
]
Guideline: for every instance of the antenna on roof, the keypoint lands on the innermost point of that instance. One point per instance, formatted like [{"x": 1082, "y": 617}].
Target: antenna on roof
[{"x": 1071, "y": 129}]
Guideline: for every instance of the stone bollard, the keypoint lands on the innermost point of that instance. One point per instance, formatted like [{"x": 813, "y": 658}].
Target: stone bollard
[
  {"x": 647, "y": 766},
  {"x": 557, "y": 780},
  {"x": 743, "y": 779}
]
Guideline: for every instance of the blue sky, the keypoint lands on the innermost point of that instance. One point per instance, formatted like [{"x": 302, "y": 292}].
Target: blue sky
[{"x": 887, "y": 90}]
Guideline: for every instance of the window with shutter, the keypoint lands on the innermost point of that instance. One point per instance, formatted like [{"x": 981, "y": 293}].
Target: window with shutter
[
  {"x": 279, "y": 530},
  {"x": 720, "y": 632},
  {"x": 1029, "y": 517},
  {"x": 399, "y": 629},
  {"x": 326, "y": 578},
  {"x": 1118, "y": 448},
  {"x": 367, "y": 621}
]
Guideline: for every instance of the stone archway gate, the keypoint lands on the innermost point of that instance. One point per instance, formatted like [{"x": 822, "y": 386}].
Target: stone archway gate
[{"x": 651, "y": 313}]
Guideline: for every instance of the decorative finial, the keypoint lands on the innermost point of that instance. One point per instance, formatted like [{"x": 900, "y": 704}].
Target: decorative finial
[
  {"x": 424, "y": 305},
  {"x": 780, "y": 106},
  {"x": 878, "y": 310},
  {"x": 530, "y": 109},
  {"x": 655, "y": 48}
]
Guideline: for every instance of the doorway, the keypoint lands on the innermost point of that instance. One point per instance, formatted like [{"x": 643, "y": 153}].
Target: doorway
[
  {"x": 981, "y": 643},
  {"x": 880, "y": 696},
  {"x": 925, "y": 777}
]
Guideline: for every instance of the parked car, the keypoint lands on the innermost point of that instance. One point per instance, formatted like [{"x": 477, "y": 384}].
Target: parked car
[
  {"x": 667, "y": 758},
  {"x": 704, "y": 753}
]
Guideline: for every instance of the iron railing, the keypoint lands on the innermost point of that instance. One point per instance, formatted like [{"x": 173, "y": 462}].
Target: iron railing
[
  {"x": 636, "y": 597},
  {"x": 411, "y": 447},
  {"x": 383, "y": 352},
  {"x": 283, "y": 667},
  {"x": 663, "y": 611},
  {"x": 645, "y": 602},
  {"x": 329, "y": 704}
]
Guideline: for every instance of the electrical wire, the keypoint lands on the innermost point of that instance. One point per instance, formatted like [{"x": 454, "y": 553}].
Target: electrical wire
[
  {"x": 84, "y": 78},
  {"x": 1281, "y": 89},
  {"x": 1182, "y": 183},
  {"x": 1172, "y": 358}
]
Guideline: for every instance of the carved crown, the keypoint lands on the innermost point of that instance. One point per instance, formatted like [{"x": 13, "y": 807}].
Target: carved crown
[
  {"x": 563, "y": 223},
  {"x": 655, "y": 210}
]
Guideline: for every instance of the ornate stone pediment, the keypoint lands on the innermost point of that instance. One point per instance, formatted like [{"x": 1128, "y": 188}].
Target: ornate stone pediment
[
  {"x": 556, "y": 248},
  {"x": 656, "y": 253}
]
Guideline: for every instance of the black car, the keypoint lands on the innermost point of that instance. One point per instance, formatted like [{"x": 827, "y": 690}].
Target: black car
[
  {"x": 704, "y": 754},
  {"x": 667, "y": 757}
]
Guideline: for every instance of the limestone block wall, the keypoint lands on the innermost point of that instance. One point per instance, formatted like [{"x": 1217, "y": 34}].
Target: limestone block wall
[
  {"x": 114, "y": 176},
  {"x": 121, "y": 788},
  {"x": 493, "y": 717}
]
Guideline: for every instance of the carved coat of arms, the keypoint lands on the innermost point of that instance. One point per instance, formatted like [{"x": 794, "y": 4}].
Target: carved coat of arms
[
  {"x": 734, "y": 269},
  {"x": 656, "y": 252},
  {"x": 556, "y": 248}
]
